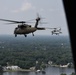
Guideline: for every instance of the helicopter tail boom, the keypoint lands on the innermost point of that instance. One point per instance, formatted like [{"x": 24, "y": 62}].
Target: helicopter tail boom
[{"x": 40, "y": 28}]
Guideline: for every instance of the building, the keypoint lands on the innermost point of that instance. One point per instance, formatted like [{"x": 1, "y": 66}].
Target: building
[{"x": 11, "y": 68}]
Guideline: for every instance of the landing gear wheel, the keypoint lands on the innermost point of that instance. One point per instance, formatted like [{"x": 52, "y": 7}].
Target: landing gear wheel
[
  {"x": 52, "y": 32},
  {"x": 15, "y": 35},
  {"x": 25, "y": 35},
  {"x": 32, "y": 34}
]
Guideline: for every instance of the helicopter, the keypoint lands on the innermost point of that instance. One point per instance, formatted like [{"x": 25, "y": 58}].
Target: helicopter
[
  {"x": 56, "y": 31},
  {"x": 24, "y": 29}
]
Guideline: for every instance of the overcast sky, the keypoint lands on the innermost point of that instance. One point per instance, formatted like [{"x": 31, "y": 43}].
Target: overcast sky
[{"x": 23, "y": 10}]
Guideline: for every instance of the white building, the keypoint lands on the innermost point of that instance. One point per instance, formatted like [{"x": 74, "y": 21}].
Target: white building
[
  {"x": 12, "y": 68},
  {"x": 65, "y": 65},
  {"x": 50, "y": 62}
]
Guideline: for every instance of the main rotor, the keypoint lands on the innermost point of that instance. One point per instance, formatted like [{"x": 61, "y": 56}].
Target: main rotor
[{"x": 21, "y": 22}]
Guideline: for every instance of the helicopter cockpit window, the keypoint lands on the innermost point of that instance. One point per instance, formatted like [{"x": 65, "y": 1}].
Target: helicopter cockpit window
[{"x": 29, "y": 25}]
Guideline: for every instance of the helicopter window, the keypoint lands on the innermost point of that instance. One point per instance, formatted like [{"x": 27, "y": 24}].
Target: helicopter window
[
  {"x": 21, "y": 26},
  {"x": 16, "y": 28},
  {"x": 30, "y": 26}
]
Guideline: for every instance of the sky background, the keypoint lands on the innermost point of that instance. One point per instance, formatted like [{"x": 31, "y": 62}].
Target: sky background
[{"x": 24, "y": 10}]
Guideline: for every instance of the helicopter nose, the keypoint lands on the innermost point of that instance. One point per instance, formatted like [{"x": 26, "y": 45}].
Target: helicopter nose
[{"x": 15, "y": 30}]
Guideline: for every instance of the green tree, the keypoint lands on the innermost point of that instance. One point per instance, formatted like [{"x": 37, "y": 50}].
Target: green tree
[
  {"x": 63, "y": 74},
  {"x": 73, "y": 73}
]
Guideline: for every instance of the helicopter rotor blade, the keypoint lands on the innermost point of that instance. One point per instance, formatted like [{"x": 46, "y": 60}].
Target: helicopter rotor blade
[
  {"x": 37, "y": 14},
  {"x": 13, "y": 21},
  {"x": 30, "y": 20},
  {"x": 39, "y": 17},
  {"x": 9, "y": 20}
]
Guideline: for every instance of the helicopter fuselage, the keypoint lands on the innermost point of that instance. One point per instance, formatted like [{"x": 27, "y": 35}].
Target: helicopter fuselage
[{"x": 24, "y": 30}]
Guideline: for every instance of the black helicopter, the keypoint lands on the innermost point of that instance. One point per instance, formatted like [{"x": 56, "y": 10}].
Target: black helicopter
[{"x": 23, "y": 28}]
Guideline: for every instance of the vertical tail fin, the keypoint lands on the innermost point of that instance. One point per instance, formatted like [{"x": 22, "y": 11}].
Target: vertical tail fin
[{"x": 37, "y": 21}]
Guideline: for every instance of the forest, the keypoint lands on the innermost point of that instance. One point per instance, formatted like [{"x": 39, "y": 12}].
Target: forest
[{"x": 24, "y": 52}]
